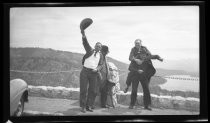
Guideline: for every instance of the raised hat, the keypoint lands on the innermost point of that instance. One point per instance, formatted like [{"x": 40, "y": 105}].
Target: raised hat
[{"x": 85, "y": 23}]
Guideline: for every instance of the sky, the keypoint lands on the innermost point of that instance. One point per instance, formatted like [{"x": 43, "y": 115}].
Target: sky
[{"x": 169, "y": 31}]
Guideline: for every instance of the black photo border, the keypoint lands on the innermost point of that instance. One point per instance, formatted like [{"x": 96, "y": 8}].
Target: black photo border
[{"x": 203, "y": 116}]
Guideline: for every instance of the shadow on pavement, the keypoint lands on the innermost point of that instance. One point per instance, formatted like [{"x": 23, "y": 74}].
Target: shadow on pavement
[
  {"x": 76, "y": 103},
  {"x": 123, "y": 111},
  {"x": 75, "y": 109},
  {"x": 71, "y": 111}
]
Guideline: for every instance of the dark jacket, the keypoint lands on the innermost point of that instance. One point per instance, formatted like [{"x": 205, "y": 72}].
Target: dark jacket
[
  {"x": 134, "y": 52},
  {"x": 146, "y": 66},
  {"x": 104, "y": 72},
  {"x": 89, "y": 51}
]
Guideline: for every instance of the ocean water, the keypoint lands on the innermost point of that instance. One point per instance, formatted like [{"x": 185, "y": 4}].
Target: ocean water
[{"x": 181, "y": 85}]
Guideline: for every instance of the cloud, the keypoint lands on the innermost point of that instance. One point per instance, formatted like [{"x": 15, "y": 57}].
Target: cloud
[{"x": 171, "y": 32}]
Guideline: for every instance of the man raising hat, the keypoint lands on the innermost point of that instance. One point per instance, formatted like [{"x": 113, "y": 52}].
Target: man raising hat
[{"x": 92, "y": 63}]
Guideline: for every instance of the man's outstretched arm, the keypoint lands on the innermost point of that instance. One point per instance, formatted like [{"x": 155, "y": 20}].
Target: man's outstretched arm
[
  {"x": 153, "y": 57},
  {"x": 150, "y": 56},
  {"x": 86, "y": 45}
]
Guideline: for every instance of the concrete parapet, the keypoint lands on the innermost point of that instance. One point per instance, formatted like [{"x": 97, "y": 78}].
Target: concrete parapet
[{"x": 173, "y": 102}]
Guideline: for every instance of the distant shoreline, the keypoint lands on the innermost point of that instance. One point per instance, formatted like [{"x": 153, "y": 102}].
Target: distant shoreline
[{"x": 181, "y": 85}]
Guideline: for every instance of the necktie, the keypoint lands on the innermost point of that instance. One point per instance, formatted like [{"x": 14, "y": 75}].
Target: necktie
[{"x": 95, "y": 53}]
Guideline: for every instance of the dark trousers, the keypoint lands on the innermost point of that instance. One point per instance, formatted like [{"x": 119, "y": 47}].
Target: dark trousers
[
  {"x": 136, "y": 77},
  {"x": 104, "y": 93},
  {"x": 129, "y": 78},
  {"x": 88, "y": 90}
]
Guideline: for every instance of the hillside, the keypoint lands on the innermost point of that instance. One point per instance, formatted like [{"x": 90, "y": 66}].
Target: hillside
[
  {"x": 49, "y": 60},
  {"x": 39, "y": 59}
]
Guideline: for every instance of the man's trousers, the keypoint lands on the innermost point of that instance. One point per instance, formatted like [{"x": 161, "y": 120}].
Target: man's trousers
[
  {"x": 88, "y": 90},
  {"x": 136, "y": 77}
]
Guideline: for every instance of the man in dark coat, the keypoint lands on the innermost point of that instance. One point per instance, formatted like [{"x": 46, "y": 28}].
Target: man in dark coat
[
  {"x": 105, "y": 84},
  {"x": 92, "y": 63},
  {"x": 141, "y": 69}
]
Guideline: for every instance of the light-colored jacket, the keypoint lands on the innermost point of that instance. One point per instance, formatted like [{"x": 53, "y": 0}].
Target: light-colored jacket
[{"x": 113, "y": 77}]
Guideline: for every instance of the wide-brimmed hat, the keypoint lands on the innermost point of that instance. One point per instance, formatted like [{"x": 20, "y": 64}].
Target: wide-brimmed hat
[{"x": 85, "y": 23}]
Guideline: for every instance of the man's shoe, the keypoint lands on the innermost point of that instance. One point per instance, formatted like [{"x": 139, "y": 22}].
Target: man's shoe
[
  {"x": 89, "y": 109},
  {"x": 83, "y": 110},
  {"x": 130, "y": 107},
  {"x": 147, "y": 108},
  {"x": 126, "y": 90}
]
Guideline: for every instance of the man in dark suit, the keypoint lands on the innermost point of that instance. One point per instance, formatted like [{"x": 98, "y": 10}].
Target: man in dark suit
[
  {"x": 141, "y": 69},
  {"x": 92, "y": 63}
]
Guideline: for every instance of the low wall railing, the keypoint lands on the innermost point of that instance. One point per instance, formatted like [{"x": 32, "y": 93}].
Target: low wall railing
[{"x": 158, "y": 101}]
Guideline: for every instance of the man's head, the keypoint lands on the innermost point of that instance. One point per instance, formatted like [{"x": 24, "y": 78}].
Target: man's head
[
  {"x": 104, "y": 50},
  {"x": 98, "y": 46},
  {"x": 138, "y": 43}
]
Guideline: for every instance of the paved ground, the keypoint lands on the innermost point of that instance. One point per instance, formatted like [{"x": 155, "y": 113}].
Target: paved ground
[{"x": 50, "y": 106}]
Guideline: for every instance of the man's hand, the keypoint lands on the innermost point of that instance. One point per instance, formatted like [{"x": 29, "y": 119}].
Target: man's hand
[
  {"x": 140, "y": 71},
  {"x": 159, "y": 58},
  {"x": 138, "y": 61},
  {"x": 83, "y": 32},
  {"x": 94, "y": 70}
]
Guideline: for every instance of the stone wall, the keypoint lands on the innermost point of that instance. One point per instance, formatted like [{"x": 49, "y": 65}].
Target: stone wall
[
  {"x": 54, "y": 92},
  {"x": 175, "y": 102}
]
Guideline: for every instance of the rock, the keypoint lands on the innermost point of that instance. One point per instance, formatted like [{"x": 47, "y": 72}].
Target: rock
[
  {"x": 140, "y": 101},
  {"x": 49, "y": 91},
  {"x": 155, "y": 102},
  {"x": 33, "y": 91},
  {"x": 74, "y": 95},
  {"x": 56, "y": 93},
  {"x": 165, "y": 103},
  {"x": 192, "y": 105},
  {"x": 177, "y": 104},
  {"x": 123, "y": 99},
  {"x": 66, "y": 94},
  {"x": 44, "y": 93}
]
